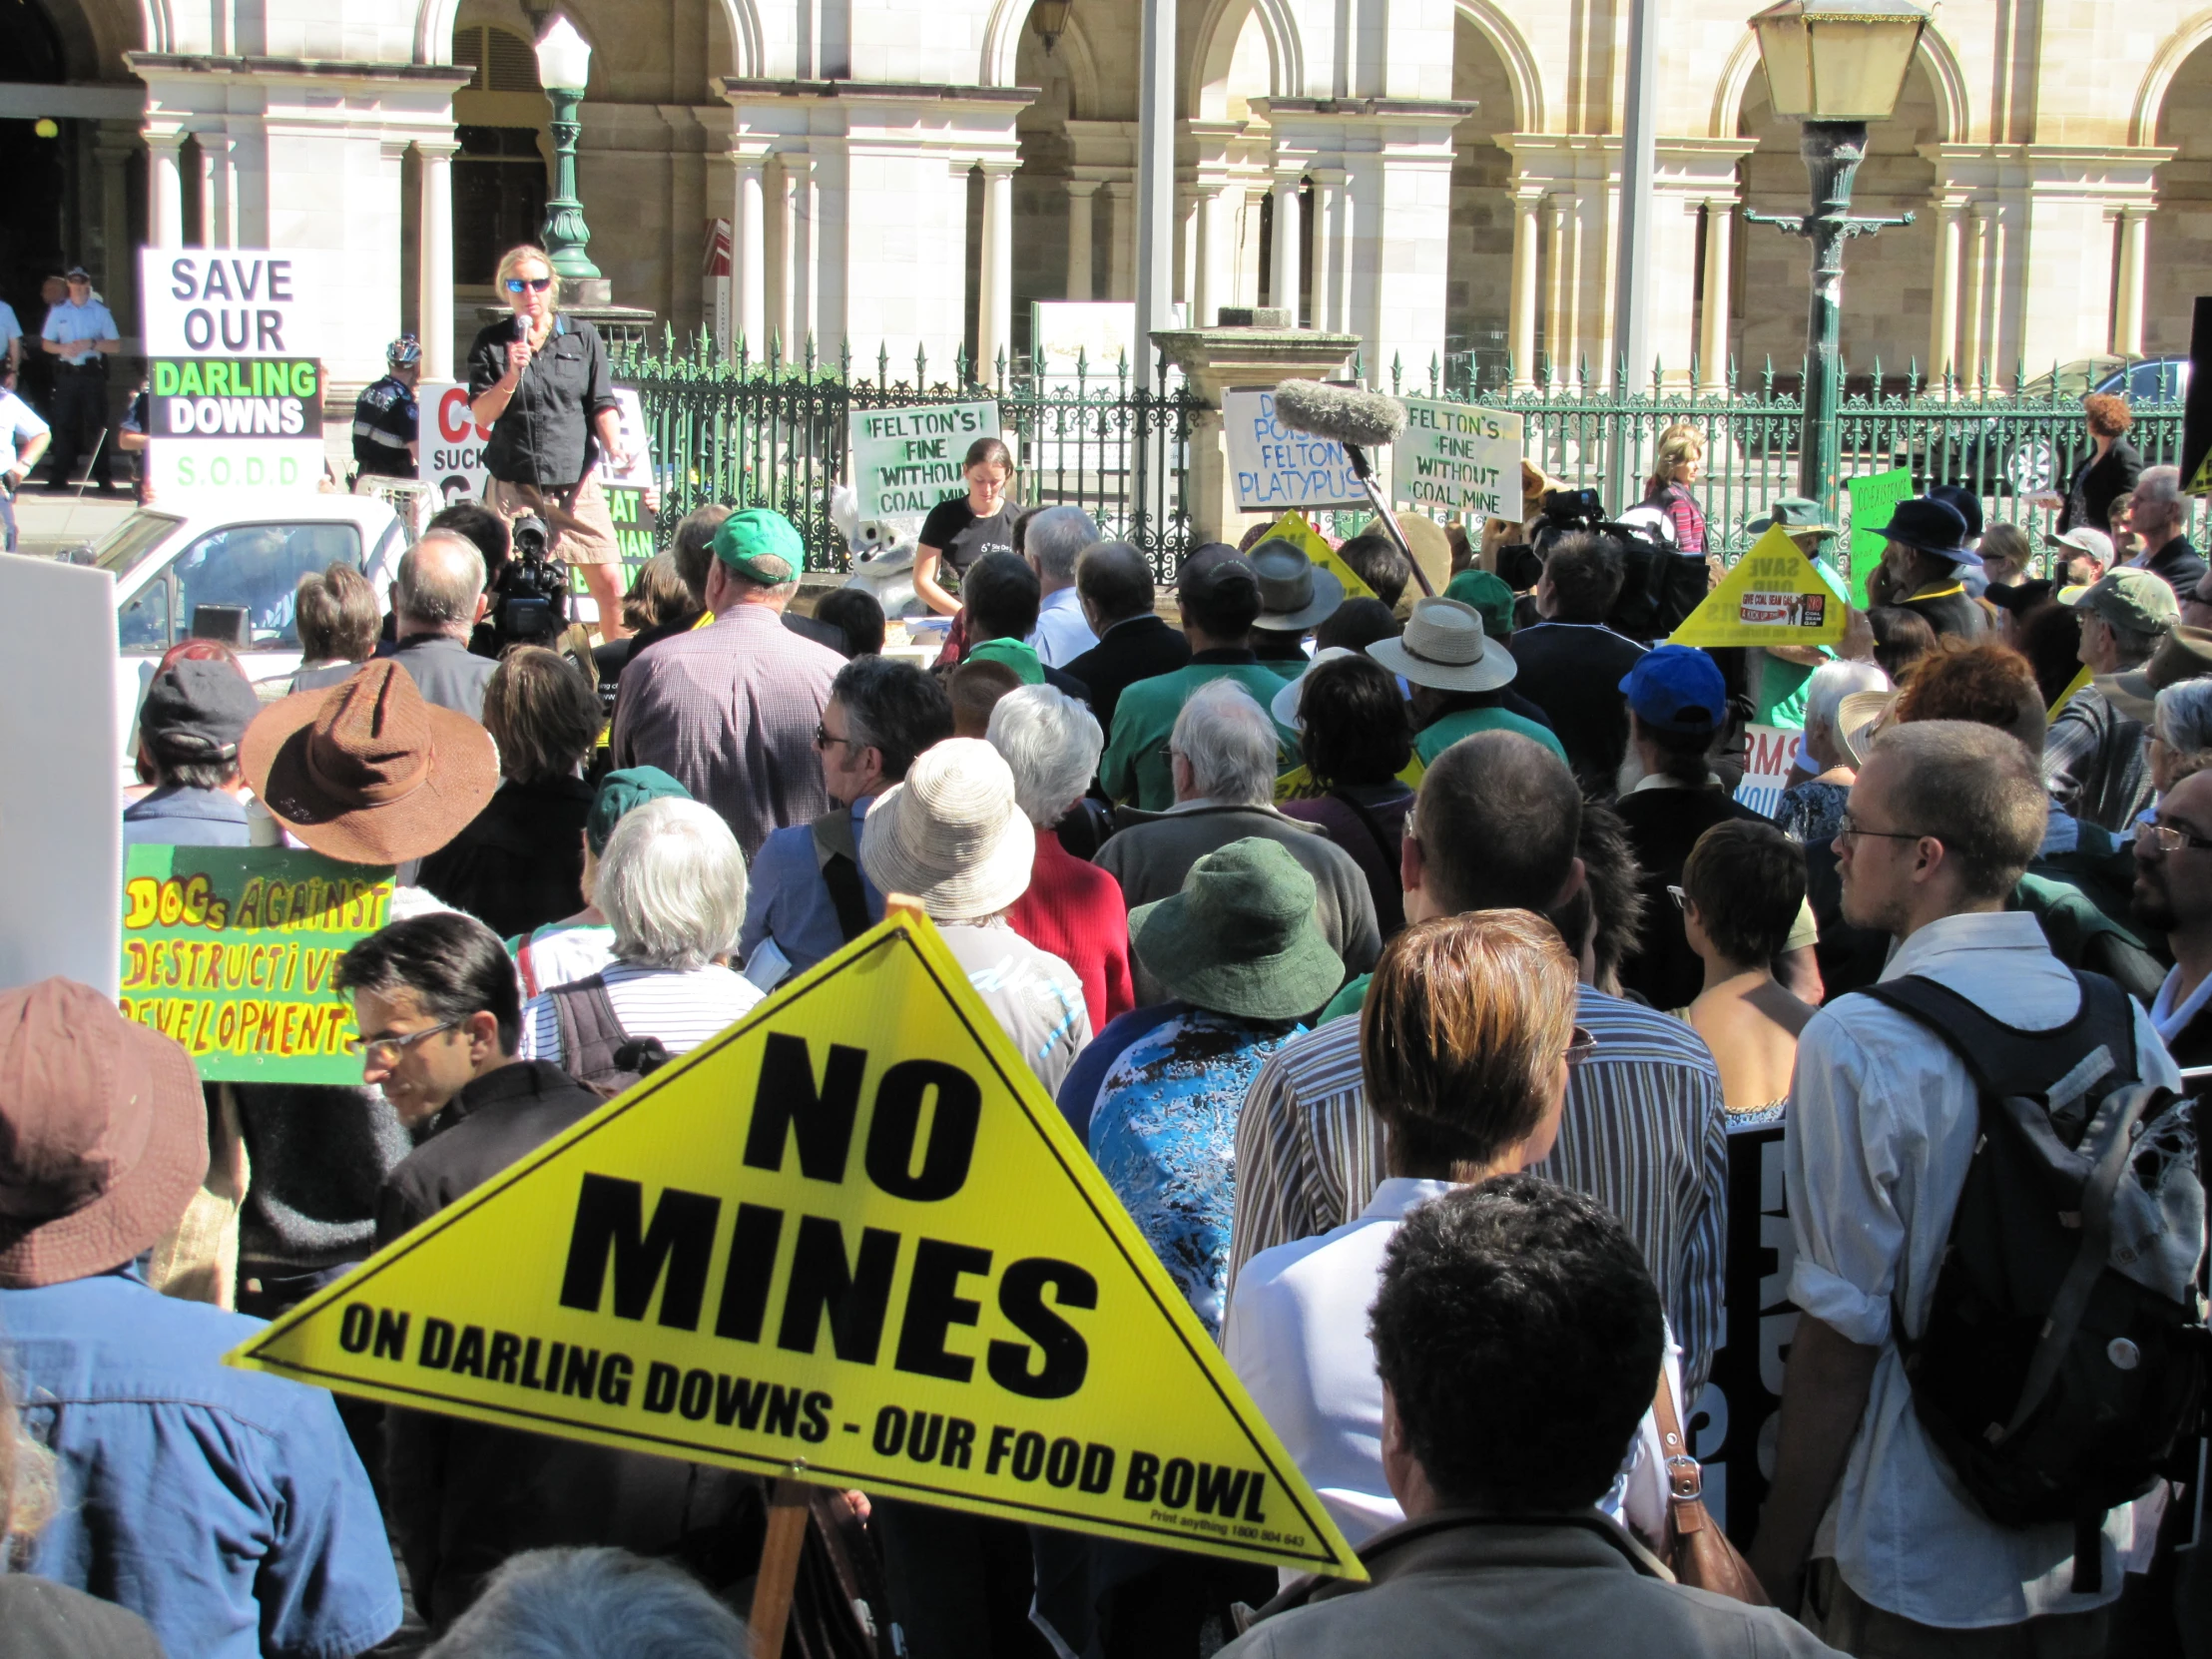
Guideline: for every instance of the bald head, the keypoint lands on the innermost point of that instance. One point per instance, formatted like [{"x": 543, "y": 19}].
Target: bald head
[
  {"x": 1114, "y": 582},
  {"x": 440, "y": 586}
]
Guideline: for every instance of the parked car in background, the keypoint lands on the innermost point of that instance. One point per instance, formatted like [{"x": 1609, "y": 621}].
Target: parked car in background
[
  {"x": 2032, "y": 439},
  {"x": 233, "y": 559}
]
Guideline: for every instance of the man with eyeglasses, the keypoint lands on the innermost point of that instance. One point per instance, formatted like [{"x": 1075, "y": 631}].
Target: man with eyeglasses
[
  {"x": 808, "y": 895},
  {"x": 439, "y": 1014},
  {"x": 1883, "y": 1124},
  {"x": 2173, "y": 896}
]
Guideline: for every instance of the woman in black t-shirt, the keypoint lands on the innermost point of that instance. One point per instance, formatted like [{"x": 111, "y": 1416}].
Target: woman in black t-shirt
[{"x": 962, "y": 530}]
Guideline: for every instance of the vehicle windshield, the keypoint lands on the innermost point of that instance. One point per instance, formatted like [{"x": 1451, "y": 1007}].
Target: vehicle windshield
[{"x": 124, "y": 547}]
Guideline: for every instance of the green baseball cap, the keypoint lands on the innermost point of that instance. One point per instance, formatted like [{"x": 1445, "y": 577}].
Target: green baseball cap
[
  {"x": 2132, "y": 598},
  {"x": 761, "y": 545},
  {"x": 1488, "y": 593},
  {"x": 623, "y": 791}
]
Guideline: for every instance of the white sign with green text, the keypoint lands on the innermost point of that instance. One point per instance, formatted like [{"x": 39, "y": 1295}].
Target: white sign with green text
[
  {"x": 1461, "y": 457},
  {"x": 905, "y": 461}
]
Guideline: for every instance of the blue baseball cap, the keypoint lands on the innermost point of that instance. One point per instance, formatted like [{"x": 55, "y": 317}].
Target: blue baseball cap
[{"x": 1677, "y": 688}]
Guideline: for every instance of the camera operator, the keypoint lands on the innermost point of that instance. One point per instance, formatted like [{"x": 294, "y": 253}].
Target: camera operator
[
  {"x": 529, "y": 597},
  {"x": 539, "y": 382},
  {"x": 435, "y": 602}
]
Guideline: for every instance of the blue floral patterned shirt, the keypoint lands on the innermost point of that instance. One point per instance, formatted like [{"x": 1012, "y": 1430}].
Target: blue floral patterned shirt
[{"x": 1164, "y": 1134}]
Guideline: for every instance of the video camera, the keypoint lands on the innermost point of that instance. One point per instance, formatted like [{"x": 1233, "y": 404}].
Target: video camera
[{"x": 529, "y": 598}]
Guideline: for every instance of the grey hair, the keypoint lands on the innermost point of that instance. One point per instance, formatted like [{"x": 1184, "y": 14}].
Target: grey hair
[
  {"x": 593, "y": 1604},
  {"x": 1051, "y": 743},
  {"x": 672, "y": 885},
  {"x": 2160, "y": 487},
  {"x": 1230, "y": 741},
  {"x": 442, "y": 590},
  {"x": 2132, "y": 646},
  {"x": 1833, "y": 682},
  {"x": 1056, "y": 538},
  {"x": 2184, "y": 719}
]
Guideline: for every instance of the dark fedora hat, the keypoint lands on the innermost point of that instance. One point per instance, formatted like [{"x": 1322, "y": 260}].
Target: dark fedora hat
[
  {"x": 1931, "y": 527},
  {"x": 366, "y": 770},
  {"x": 1294, "y": 593}
]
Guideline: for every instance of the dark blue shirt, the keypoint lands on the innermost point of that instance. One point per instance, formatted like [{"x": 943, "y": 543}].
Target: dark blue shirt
[
  {"x": 226, "y": 1507},
  {"x": 176, "y": 817},
  {"x": 1079, "y": 1088},
  {"x": 385, "y": 418}
]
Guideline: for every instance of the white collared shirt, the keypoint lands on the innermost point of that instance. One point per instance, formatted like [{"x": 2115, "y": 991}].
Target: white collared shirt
[
  {"x": 1061, "y": 634},
  {"x": 1882, "y": 1124},
  {"x": 2172, "y": 1018},
  {"x": 1296, "y": 1337}
]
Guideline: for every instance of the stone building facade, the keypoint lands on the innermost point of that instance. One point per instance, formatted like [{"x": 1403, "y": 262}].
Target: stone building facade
[{"x": 1437, "y": 176}]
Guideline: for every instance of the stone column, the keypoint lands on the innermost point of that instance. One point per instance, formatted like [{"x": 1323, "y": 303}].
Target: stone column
[
  {"x": 802, "y": 257},
  {"x": 749, "y": 253},
  {"x": 1121, "y": 240},
  {"x": 164, "y": 188},
  {"x": 1982, "y": 277},
  {"x": 118, "y": 267},
  {"x": 1942, "y": 324},
  {"x": 1559, "y": 317},
  {"x": 222, "y": 189},
  {"x": 1082, "y": 207},
  {"x": 203, "y": 183},
  {"x": 1207, "y": 290},
  {"x": 434, "y": 277},
  {"x": 1213, "y": 359},
  {"x": 994, "y": 311},
  {"x": 1288, "y": 239},
  {"x": 782, "y": 232},
  {"x": 1711, "y": 349},
  {"x": 1328, "y": 190},
  {"x": 1527, "y": 237},
  {"x": 2127, "y": 316}
]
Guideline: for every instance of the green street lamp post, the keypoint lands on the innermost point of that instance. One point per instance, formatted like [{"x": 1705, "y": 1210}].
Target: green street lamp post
[
  {"x": 564, "y": 70},
  {"x": 1834, "y": 65}
]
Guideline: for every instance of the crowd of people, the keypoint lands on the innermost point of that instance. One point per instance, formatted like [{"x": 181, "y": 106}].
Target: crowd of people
[{"x": 1407, "y": 965}]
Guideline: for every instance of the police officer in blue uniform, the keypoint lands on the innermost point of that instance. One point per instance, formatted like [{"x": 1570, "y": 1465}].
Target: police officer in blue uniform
[
  {"x": 385, "y": 419},
  {"x": 82, "y": 333}
]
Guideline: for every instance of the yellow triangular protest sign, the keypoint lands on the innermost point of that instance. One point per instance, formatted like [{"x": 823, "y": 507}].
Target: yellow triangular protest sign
[
  {"x": 1774, "y": 596},
  {"x": 850, "y": 1240},
  {"x": 1293, "y": 527}
]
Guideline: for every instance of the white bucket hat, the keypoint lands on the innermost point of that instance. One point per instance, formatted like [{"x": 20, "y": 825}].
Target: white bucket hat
[
  {"x": 1283, "y": 705},
  {"x": 952, "y": 834},
  {"x": 1444, "y": 648}
]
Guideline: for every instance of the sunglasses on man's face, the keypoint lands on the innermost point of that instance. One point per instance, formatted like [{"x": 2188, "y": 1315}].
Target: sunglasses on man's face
[{"x": 536, "y": 284}]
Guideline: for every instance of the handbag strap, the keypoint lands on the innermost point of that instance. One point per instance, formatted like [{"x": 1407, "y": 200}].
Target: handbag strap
[{"x": 1684, "y": 1479}]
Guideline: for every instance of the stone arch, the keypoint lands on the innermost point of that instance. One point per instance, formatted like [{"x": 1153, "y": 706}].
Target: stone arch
[
  {"x": 2165, "y": 64},
  {"x": 1935, "y": 55},
  {"x": 1219, "y": 31},
  {"x": 1530, "y": 115},
  {"x": 435, "y": 20}
]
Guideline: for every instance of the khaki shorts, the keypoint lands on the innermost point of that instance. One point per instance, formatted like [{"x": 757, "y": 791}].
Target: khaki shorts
[{"x": 582, "y": 533}]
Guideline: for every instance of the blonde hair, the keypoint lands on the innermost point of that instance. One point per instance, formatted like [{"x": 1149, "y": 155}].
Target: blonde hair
[
  {"x": 27, "y": 1483},
  {"x": 1676, "y": 444},
  {"x": 513, "y": 257}
]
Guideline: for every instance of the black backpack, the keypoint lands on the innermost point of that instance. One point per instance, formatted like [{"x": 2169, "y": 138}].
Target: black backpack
[
  {"x": 2055, "y": 1384},
  {"x": 595, "y": 1049}
]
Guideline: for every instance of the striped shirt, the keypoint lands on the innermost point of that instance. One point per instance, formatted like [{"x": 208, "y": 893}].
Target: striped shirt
[
  {"x": 1643, "y": 1133},
  {"x": 680, "y": 1006}
]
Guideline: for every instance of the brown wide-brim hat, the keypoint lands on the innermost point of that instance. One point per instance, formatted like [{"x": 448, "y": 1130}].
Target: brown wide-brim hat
[
  {"x": 366, "y": 770},
  {"x": 102, "y": 1135}
]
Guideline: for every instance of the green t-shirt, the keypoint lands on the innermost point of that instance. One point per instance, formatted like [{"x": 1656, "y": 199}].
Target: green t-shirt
[
  {"x": 1015, "y": 655},
  {"x": 1135, "y": 767},
  {"x": 1348, "y": 1002},
  {"x": 1440, "y": 734}
]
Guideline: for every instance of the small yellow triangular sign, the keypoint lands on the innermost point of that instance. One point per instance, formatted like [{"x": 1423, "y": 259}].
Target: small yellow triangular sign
[
  {"x": 850, "y": 1240},
  {"x": 1293, "y": 528},
  {"x": 1774, "y": 596}
]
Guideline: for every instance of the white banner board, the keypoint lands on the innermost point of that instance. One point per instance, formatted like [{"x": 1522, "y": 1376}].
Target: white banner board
[
  {"x": 1459, "y": 457},
  {"x": 449, "y": 447},
  {"x": 61, "y": 884},
  {"x": 1277, "y": 468},
  {"x": 905, "y": 461}
]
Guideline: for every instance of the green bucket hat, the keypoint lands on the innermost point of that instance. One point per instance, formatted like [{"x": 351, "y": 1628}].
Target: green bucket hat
[
  {"x": 761, "y": 545},
  {"x": 1792, "y": 512},
  {"x": 622, "y": 793},
  {"x": 1487, "y": 592},
  {"x": 1242, "y": 937}
]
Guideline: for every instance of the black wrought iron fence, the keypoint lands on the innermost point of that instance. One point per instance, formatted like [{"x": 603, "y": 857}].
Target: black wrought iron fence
[{"x": 773, "y": 432}]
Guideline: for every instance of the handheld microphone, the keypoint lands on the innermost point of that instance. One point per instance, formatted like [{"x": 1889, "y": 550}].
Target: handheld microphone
[{"x": 1359, "y": 420}]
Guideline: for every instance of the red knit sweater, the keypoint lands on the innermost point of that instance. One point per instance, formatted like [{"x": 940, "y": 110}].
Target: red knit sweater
[{"x": 1075, "y": 911}]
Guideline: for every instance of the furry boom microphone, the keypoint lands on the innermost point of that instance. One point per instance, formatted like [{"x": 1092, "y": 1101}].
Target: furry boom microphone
[{"x": 1359, "y": 420}]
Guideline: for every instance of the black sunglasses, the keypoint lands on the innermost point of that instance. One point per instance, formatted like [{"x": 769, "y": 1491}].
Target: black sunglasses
[{"x": 536, "y": 284}]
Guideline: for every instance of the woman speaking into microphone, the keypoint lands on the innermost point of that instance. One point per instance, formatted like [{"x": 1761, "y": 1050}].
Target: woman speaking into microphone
[{"x": 539, "y": 382}]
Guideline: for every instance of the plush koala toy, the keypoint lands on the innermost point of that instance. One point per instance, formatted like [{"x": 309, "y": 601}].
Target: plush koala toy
[{"x": 882, "y": 552}]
